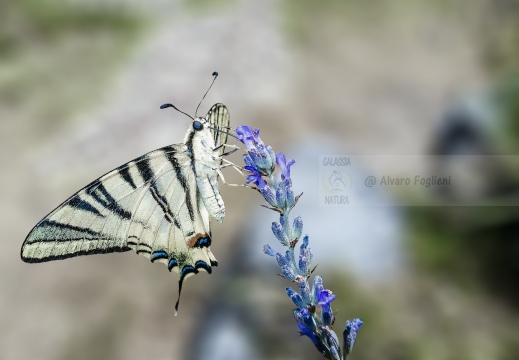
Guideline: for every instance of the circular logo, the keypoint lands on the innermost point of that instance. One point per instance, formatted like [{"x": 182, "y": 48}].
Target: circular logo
[{"x": 336, "y": 181}]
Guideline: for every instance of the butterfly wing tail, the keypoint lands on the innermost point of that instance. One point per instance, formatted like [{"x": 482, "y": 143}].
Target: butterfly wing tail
[{"x": 201, "y": 259}]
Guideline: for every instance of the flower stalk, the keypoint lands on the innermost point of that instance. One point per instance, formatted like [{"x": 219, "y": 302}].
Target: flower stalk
[{"x": 270, "y": 174}]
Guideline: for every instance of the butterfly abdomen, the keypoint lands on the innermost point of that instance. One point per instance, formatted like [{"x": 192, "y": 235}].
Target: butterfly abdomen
[{"x": 211, "y": 197}]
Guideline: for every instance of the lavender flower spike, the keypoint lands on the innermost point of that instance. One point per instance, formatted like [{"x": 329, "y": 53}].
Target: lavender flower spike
[{"x": 270, "y": 173}]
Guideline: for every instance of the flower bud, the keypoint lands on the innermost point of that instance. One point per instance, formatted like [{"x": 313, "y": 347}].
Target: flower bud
[
  {"x": 304, "y": 317},
  {"x": 317, "y": 288},
  {"x": 327, "y": 315},
  {"x": 282, "y": 261},
  {"x": 269, "y": 196},
  {"x": 350, "y": 334},
  {"x": 303, "y": 265},
  {"x": 297, "y": 228},
  {"x": 310, "y": 256},
  {"x": 283, "y": 220},
  {"x": 304, "y": 289},
  {"x": 333, "y": 342},
  {"x": 268, "y": 250},
  {"x": 305, "y": 243},
  {"x": 295, "y": 297},
  {"x": 289, "y": 255},
  {"x": 288, "y": 273},
  {"x": 281, "y": 195},
  {"x": 291, "y": 200},
  {"x": 279, "y": 232},
  {"x": 318, "y": 342}
]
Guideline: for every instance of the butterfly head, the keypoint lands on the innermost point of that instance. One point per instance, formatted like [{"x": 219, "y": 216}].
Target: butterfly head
[
  {"x": 198, "y": 123},
  {"x": 199, "y": 134}
]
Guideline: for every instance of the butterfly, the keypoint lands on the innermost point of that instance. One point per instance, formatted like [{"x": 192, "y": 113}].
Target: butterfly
[{"x": 158, "y": 205}]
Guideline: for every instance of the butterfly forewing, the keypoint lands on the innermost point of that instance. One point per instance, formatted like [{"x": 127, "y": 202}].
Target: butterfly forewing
[{"x": 94, "y": 220}]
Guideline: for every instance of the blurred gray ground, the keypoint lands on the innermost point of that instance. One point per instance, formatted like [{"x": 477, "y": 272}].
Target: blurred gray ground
[{"x": 362, "y": 86}]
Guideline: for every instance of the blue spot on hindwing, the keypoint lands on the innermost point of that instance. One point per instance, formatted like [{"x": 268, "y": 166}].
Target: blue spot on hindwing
[
  {"x": 172, "y": 264},
  {"x": 203, "y": 264},
  {"x": 186, "y": 270},
  {"x": 158, "y": 255}
]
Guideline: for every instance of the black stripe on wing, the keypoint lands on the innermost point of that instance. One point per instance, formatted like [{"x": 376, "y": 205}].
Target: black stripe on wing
[
  {"x": 104, "y": 198},
  {"x": 124, "y": 171},
  {"x": 77, "y": 253},
  {"x": 148, "y": 176},
  {"x": 133, "y": 243},
  {"x": 75, "y": 233},
  {"x": 84, "y": 205},
  {"x": 54, "y": 224},
  {"x": 180, "y": 175},
  {"x": 161, "y": 200}
]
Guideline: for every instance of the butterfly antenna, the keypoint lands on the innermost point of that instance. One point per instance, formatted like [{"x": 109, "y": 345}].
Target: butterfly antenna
[
  {"x": 225, "y": 132},
  {"x": 228, "y": 127},
  {"x": 174, "y": 107},
  {"x": 215, "y": 74}
]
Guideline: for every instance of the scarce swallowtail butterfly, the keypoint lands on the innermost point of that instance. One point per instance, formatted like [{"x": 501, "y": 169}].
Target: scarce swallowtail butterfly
[{"x": 159, "y": 205}]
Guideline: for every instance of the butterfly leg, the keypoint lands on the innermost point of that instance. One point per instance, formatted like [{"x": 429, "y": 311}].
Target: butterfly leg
[
  {"x": 233, "y": 147},
  {"x": 229, "y": 152},
  {"x": 236, "y": 167},
  {"x": 228, "y": 184},
  {"x": 218, "y": 147},
  {"x": 229, "y": 165}
]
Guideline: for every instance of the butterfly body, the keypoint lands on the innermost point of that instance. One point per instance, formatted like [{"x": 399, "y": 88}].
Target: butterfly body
[
  {"x": 159, "y": 205},
  {"x": 205, "y": 159}
]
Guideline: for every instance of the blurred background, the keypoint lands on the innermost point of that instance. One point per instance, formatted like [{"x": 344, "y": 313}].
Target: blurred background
[{"x": 81, "y": 83}]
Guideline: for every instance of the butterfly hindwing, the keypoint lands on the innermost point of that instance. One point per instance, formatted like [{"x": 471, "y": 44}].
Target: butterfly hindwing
[
  {"x": 167, "y": 232},
  {"x": 218, "y": 117}
]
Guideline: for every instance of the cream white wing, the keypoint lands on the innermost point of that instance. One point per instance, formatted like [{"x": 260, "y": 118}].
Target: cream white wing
[
  {"x": 150, "y": 204},
  {"x": 218, "y": 117}
]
